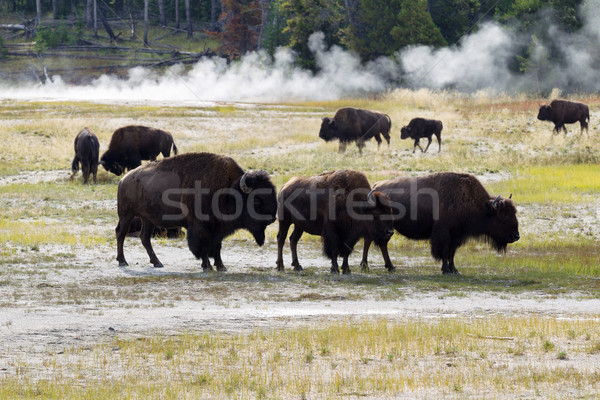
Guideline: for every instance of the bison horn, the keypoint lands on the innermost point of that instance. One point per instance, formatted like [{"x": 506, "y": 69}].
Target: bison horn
[
  {"x": 371, "y": 199},
  {"x": 495, "y": 202},
  {"x": 510, "y": 197},
  {"x": 245, "y": 188}
]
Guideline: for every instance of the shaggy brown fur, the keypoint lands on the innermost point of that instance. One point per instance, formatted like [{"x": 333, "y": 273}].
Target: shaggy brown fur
[
  {"x": 86, "y": 153},
  {"x": 447, "y": 209},
  {"x": 130, "y": 145},
  {"x": 563, "y": 112},
  {"x": 318, "y": 205},
  {"x": 180, "y": 192},
  {"x": 356, "y": 125}
]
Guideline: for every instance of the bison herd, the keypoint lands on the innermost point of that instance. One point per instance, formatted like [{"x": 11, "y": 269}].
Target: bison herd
[{"x": 211, "y": 196}]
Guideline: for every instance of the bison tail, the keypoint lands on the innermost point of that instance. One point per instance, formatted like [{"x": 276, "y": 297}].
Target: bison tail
[
  {"x": 75, "y": 164},
  {"x": 94, "y": 146},
  {"x": 175, "y": 150}
]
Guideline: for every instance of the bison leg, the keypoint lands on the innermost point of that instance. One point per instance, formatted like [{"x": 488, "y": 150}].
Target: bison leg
[
  {"x": 334, "y": 266},
  {"x": 364, "y": 264},
  {"x": 216, "y": 254},
  {"x": 417, "y": 144},
  {"x": 294, "y": 238},
  {"x": 439, "y": 139},
  {"x": 428, "y": 144},
  {"x": 85, "y": 170},
  {"x": 284, "y": 226},
  {"x": 386, "y": 257},
  {"x": 345, "y": 266},
  {"x": 583, "y": 125},
  {"x": 342, "y": 148},
  {"x": 121, "y": 231},
  {"x": 198, "y": 239},
  {"x": 145, "y": 235}
]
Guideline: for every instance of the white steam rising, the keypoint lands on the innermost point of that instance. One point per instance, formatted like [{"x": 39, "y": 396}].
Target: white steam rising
[{"x": 486, "y": 59}]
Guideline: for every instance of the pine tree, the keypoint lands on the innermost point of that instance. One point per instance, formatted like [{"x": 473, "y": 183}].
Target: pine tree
[{"x": 415, "y": 26}]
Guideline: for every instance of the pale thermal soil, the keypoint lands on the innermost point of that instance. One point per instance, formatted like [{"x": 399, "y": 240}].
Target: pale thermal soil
[{"x": 79, "y": 297}]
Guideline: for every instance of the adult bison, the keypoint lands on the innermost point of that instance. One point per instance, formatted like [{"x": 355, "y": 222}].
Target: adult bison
[
  {"x": 207, "y": 194},
  {"x": 340, "y": 207},
  {"x": 563, "y": 112},
  {"x": 86, "y": 153},
  {"x": 130, "y": 145},
  {"x": 447, "y": 209},
  {"x": 419, "y": 128},
  {"x": 355, "y": 125}
]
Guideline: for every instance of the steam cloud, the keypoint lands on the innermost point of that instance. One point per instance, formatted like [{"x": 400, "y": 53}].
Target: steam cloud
[{"x": 482, "y": 60}]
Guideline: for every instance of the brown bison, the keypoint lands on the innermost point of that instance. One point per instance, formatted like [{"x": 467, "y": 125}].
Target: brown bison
[
  {"x": 86, "y": 153},
  {"x": 419, "y": 128},
  {"x": 355, "y": 125},
  {"x": 207, "y": 194},
  {"x": 130, "y": 145},
  {"x": 340, "y": 207},
  {"x": 447, "y": 209},
  {"x": 563, "y": 112}
]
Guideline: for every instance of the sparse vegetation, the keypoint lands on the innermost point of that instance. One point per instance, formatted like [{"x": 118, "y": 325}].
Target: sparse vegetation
[{"x": 57, "y": 250}]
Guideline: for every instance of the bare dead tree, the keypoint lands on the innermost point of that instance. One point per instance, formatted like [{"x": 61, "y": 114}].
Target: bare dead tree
[
  {"x": 162, "y": 19},
  {"x": 188, "y": 19},
  {"x": 145, "y": 22},
  {"x": 89, "y": 13},
  {"x": 38, "y": 8},
  {"x": 177, "y": 25},
  {"x": 54, "y": 9},
  {"x": 215, "y": 5}
]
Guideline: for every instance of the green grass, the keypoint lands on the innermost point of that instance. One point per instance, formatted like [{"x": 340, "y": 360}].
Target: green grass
[{"x": 374, "y": 358}]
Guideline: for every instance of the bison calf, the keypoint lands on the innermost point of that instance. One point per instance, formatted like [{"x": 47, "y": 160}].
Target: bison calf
[
  {"x": 86, "y": 153},
  {"x": 130, "y": 145},
  {"x": 563, "y": 112},
  {"x": 419, "y": 128},
  {"x": 356, "y": 125},
  {"x": 340, "y": 207},
  {"x": 447, "y": 209}
]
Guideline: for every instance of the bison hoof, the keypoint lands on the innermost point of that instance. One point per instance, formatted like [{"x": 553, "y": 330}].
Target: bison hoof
[
  {"x": 123, "y": 264},
  {"x": 221, "y": 268},
  {"x": 364, "y": 266},
  {"x": 346, "y": 271},
  {"x": 334, "y": 270},
  {"x": 298, "y": 268},
  {"x": 158, "y": 265},
  {"x": 390, "y": 268}
]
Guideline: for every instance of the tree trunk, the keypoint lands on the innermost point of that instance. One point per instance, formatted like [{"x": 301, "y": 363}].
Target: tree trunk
[
  {"x": 188, "y": 19},
  {"x": 95, "y": 18},
  {"x": 38, "y": 9},
  {"x": 177, "y": 25},
  {"x": 145, "y": 22},
  {"x": 162, "y": 19},
  {"x": 119, "y": 6},
  {"x": 214, "y": 7},
  {"x": 89, "y": 14},
  {"x": 55, "y": 9}
]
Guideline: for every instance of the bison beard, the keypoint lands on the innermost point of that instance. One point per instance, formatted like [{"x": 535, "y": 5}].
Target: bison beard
[
  {"x": 130, "y": 145},
  {"x": 562, "y": 112},
  {"x": 307, "y": 202},
  {"x": 356, "y": 125},
  {"x": 447, "y": 209},
  {"x": 196, "y": 191}
]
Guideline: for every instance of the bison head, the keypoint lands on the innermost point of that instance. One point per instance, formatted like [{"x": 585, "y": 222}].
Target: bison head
[
  {"x": 502, "y": 225},
  {"x": 111, "y": 166},
  {"x": 545, "y": 113},
  {"x": 328, "y": 130},
  {"x": 381, "y": 228},
  {"x": 260, "y": 203},
  {"x": 405, "y": 132}
]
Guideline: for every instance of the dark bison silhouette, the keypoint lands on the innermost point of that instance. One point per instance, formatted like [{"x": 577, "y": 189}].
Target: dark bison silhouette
[
  {"x": 130, "y": 145},
  {"x": 340, "y": 207},
  {"x": 447, "y": 209},
  {"x": 355, "y": 125},
  {"x": 209, "y": 195},
  {"x": 419, "y": 128},
  {"x": 563, "y": 112},
  {"x": 87, "y": 149}
]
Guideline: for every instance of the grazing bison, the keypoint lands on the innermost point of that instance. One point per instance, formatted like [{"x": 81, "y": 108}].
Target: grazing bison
[
  {"x": 355, "y": 125},
  {"x": 130, "y": 145},
  {"x": 207, "y": 194},
  {"x": 447, "y": 209},
  {"x": 340, "y": 207},
  {"x": 419, "y": 128},
  {"x": 86, "y": 153},
  {"x": 563, "y": 112}
]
